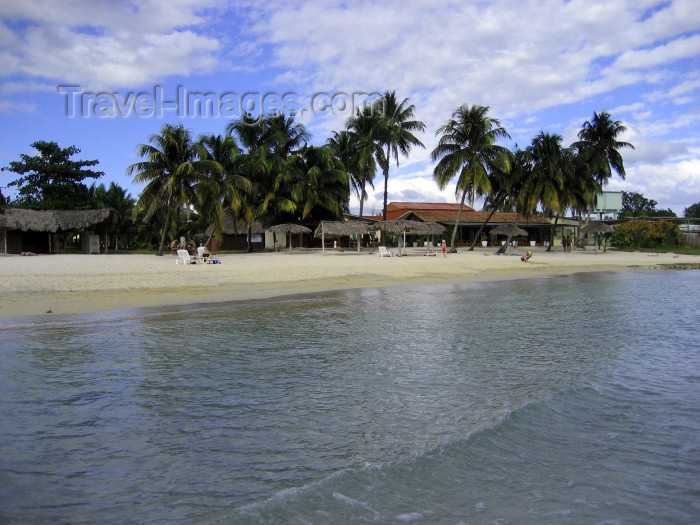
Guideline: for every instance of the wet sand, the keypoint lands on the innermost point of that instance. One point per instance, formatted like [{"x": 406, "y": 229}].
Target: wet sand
[{"x": 70, "y": 284}]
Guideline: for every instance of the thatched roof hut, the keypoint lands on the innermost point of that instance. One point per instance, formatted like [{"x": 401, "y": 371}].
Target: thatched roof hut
[
  {"x": 20, "y": 227},
  {"x": 53, "y": 221},
  {"x": 232, "y": 227},
  {"x": 340, "y": 229},
  {"x": 289, "y": 228},
  {"x": 596, "y": 228},
  {"x": 407, "y": 226}
]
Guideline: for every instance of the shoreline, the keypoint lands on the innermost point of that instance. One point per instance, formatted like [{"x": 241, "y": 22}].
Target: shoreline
[{"x": 86, "y": 284}]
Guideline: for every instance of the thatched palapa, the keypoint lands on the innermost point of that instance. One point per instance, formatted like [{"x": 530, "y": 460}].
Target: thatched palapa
[
  {"x": 412, "y": 227},
  {"x": 290, "y": 229},
  {"x": 596, "y": 228},
  {"x": 508, "y": 229},
  {"x": 340, "y": 229}
]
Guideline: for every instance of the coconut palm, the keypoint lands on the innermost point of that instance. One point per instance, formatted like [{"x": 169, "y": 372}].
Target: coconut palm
[
  {"x": 120, "y": 201},
  {"x": 268, "y": 144},
  {"x": 360, "y": 151},
  {"x": 598, "y": 146},
  {"x": 222, "y": 187},
  {"x": 551, "y": 170},
  {"x": 171, "y": 171},
  {"x": 467, "y": 149},
  {"x": 318, "y": 183},
  {"x": 394, "y": 128},
  {"x": 506, "y": 186}
]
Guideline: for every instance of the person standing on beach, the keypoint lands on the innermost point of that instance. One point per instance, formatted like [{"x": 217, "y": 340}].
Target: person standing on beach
[{"x": 444, "y": 249}]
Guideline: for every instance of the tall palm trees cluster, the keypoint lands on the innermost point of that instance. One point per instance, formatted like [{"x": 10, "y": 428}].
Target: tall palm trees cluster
[
  {"x": 260, "y": 170},
  {"x": 544, "y": 176},
  {"x": 264, "y": 169}
]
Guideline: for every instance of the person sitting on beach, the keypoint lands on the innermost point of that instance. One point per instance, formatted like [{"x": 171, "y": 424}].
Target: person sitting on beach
[
  {"x": 526, "y": 256},
  {"x": 206, "y": 253}
]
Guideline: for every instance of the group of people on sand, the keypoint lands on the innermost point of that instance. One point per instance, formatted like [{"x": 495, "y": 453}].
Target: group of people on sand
[
  {"x": 181, "y": 244},
  {"x": 191, "y": 248},
  {"x": 566, "y": 243}
]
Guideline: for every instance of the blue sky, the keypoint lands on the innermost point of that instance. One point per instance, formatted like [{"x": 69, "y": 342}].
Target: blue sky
[{"x": 104, "y": 75}]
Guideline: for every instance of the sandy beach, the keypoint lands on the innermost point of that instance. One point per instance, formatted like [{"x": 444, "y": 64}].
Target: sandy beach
[{"x": 70, "y": 284}]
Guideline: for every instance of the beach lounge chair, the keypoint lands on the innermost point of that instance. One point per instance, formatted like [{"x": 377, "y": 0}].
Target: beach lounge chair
[
  {"x": 183, "y": 257},
  {"x": 383, "y": 252}
]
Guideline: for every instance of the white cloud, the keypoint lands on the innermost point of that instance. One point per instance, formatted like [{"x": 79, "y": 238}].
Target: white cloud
[
  {"x": 660, "y": 55},
  {"x": 106, "y": 45},
  {"x": 9, "y": 106},
  {"x": 674, "y": 185},
  {"x": 12, "y": 88}
]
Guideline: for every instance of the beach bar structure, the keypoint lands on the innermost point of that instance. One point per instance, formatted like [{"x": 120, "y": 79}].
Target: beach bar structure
[
  {"x": 470, "y": 221},
  {"x": 23, "y": 230}
]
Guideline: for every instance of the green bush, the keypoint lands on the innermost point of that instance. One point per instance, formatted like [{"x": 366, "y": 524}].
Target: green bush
[{"x": 643, "y": 234}]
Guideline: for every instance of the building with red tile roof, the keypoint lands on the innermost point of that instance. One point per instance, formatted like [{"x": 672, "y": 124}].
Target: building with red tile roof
[{"x": 470, "y": 220}]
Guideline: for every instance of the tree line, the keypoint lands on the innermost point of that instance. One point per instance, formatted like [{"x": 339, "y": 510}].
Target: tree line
[{"x": 264, "y": 169}]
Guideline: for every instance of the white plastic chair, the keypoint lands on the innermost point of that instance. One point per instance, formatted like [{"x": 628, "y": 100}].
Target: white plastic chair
[
  {"x": 183, "y": 257},
  {"x": 383, "y": 252}
]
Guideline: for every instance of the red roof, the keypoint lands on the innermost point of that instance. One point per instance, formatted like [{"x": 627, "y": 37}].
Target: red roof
[
  {"x": 478, "y": 217},
  {"x": 446, "y": 212},
  {"x": 397, "y": 209}
]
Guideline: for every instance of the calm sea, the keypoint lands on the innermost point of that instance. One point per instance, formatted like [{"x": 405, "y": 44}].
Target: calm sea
[{"x": 564, "y": 400}]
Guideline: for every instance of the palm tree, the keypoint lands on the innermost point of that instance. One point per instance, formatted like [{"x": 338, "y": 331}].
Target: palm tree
[
  {"x": 506, "y": 186},
  {"x": 550, "y": 171},
  {"x": 171, "y": 171},
  {"x": 318, "y": 182},
  {"x": 120, "y": 201},
  {"x": 599, "y": 146},
  {"x": 267, "y": 146},
  {"x": 360, "y": 151},
  {"x": 394, "y": 132},
  {"x": 467, "y": 149},
  {"x": 222, "y": 187}
]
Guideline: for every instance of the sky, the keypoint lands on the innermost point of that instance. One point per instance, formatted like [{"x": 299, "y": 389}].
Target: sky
[{"x": 104, "y": 75}]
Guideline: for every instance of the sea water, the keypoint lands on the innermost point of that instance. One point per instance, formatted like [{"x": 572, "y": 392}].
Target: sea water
[{"x": 562, "y": 400}]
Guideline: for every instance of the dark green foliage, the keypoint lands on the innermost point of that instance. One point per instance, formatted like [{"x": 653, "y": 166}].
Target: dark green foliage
[
  {"x": 637, "y": 205},
  {"x": 646, "y": 234},
  {"x": 50, "y": 180},
  {"x": 693, "y": 211},
  {"x": 122, "y": 203}
]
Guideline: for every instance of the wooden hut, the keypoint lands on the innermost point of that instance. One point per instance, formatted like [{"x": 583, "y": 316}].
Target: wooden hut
[
  {"x": 235, "y": 236},
  {"x": 23, "y": 230}
]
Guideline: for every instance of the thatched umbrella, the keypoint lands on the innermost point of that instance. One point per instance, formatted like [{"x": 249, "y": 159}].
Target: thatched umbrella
[
  {"x": 406, "y": 226},
  {"x": 510, "y": 230},
  {"x": 340, "y": 229},
  {"x": 290, "y": 229},
  {"x": 596, "y": 228}
]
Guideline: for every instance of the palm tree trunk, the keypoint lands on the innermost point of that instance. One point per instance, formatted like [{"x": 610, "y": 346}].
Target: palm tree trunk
[
  {"x": 165, "y": 227},
  {"x": 496, "y": 204},
  {"x": 580, "y": 227},
  {"x": 551, "y": 233},
  {"x": 362, "y": 200},
  {"x": 517, "y": 219},
  {"x": 459, "y": 216},
  {"x": 386, "y": 191}
]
